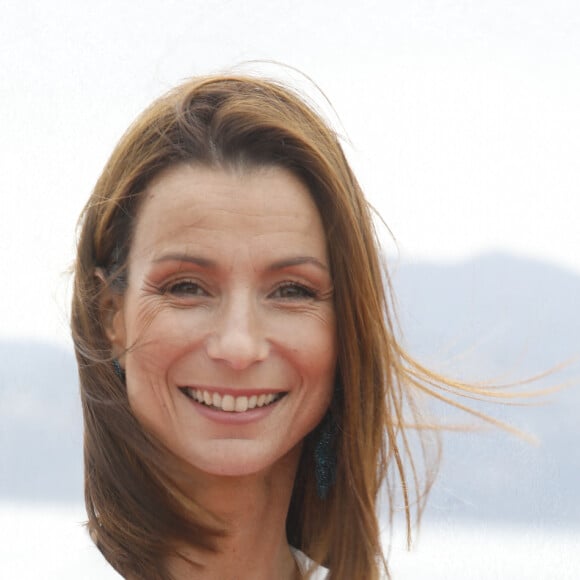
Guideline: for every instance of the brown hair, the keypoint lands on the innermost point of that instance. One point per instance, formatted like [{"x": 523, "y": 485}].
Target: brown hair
[{"x": 136, "y": 513}]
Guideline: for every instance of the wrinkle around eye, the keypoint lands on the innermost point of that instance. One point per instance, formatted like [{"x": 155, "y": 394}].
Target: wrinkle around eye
[
  {"x": 147, "y": 311},
  {"x": 320, "y": 308}
]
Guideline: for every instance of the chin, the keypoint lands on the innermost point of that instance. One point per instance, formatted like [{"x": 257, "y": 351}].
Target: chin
[{"x": 242, "y": 460}]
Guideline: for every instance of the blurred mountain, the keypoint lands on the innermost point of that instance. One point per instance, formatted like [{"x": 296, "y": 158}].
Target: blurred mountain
[
  {"x": 40, "y": 423},
  {"x": 501, "y": 319},
  {"x": 495, "y": 318}
]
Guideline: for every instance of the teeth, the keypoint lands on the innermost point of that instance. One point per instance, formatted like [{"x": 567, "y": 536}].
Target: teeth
[
  {"x": 241, "y": 404},
  {"x": 232, "y": 404},
  {"x": 228, "y": 403}
]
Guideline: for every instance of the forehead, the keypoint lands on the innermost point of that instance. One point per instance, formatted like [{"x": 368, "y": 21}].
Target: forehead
[{"x": 189, "y": 203}]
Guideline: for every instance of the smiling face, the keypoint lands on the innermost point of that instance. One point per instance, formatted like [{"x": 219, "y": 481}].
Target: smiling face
[{"x": 228, "y": 320}]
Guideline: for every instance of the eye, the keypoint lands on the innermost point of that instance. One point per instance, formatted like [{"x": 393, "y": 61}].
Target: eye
[
  {"x": 185, "y": 288},
  {"x": 293, "y": 291}
]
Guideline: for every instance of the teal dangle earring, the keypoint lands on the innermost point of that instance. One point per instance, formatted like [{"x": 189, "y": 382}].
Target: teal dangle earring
[
  {"x": 325, "y": 457},
  {"x": 119, "y": 370}
]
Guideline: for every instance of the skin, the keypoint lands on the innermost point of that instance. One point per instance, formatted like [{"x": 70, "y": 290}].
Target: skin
[{"x": 229, "y": 291}]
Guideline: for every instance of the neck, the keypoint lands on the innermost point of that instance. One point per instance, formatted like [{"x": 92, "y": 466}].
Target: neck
[{"x": 253, "y": 510}]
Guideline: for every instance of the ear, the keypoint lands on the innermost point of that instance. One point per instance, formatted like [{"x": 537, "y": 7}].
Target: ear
[{"x": 111, "y": 312}]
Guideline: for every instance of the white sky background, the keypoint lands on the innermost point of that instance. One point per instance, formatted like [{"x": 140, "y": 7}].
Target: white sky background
[{"x": 464, "y": 117}]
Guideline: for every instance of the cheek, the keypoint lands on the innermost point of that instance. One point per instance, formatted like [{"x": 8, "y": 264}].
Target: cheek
[
  {"x": 157, "y": 337},
  {"x": 313, "y": 343},
  {"x": 155, "y": 343},
  {"x": 146, "y": 382}
]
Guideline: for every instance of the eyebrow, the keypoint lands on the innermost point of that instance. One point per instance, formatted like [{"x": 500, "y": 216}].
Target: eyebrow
[
  {"x": 297, "y": 261},
  {"x": 196, "y": 260},
  {"x": 211, "y": 264}
]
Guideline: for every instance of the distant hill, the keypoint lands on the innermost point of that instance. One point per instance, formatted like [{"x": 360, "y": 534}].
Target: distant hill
[
  {"x": 40, "y": 423},
  {"x": 494, "y": 317},
  {"x": 504, "y": 319}
]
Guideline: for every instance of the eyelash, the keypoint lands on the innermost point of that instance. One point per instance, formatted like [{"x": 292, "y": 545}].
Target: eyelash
[
  {"x": 174, "y": 288},
  {"x": 305, "y": 291}
]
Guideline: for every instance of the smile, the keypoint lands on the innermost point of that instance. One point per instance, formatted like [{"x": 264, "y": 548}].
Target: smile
[{"x": 229, "y": 403}]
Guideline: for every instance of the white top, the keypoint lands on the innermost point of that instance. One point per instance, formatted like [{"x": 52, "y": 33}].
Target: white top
[{"x": 305, "y": 564}]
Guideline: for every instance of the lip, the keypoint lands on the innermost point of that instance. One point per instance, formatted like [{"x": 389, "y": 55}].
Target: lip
[{"x": 233, "y": 418}]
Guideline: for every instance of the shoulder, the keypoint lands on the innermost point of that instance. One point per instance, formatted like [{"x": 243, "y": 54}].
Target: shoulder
[{"x": 305, "y": 564}]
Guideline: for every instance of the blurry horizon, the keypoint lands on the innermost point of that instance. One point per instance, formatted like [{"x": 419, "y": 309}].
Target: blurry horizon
[
  {"x": 454, "y": 551},
  {"x": 497, "y": 318}
]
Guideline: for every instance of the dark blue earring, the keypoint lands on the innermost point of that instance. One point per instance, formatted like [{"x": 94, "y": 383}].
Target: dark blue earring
[
  {"x": 325, "y": 457},
  {"x": 119, "y": 370}
]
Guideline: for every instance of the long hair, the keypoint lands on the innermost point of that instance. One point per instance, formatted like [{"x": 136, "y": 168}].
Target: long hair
[{"x": 136, "y": 513}]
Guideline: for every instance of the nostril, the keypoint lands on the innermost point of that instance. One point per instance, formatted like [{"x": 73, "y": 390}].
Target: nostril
[{"x": 237, "y": 349}]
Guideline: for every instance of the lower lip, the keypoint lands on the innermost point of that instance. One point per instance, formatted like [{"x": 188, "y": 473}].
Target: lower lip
[{"x": 231, "y": 417}]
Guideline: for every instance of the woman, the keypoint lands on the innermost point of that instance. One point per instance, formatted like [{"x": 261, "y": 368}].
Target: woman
[{"x": 242, "y": 389}]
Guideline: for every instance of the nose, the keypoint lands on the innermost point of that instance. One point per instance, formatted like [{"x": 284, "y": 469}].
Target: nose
[{"x": 237, "y": 338}]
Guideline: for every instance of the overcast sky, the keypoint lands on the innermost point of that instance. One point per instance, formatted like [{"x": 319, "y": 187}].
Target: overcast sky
[{"x": 463, "y": 117}]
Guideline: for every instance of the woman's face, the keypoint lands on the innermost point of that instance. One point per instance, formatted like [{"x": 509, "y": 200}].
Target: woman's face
[{"x": 228, "y": 318}]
